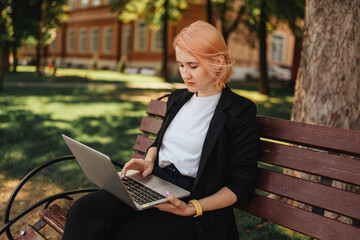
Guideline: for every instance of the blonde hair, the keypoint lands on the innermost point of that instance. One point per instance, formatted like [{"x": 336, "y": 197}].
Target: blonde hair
[{"x": 207, "y": 45}]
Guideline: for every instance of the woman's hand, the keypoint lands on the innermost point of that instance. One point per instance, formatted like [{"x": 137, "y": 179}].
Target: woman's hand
[
  {"x": 176, "y": 206},
  {"x": 138, "y": 164}
]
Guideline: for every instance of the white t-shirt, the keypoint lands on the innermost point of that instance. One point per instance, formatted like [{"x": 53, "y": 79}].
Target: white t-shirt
[{"x": 184, "y": 138}]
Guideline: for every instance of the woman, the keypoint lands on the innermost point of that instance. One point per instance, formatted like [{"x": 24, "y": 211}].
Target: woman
[{"x": 208, "y": 144}]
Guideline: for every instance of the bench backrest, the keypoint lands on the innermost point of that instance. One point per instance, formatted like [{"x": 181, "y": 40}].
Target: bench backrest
[{"x": 309, "y": 174}]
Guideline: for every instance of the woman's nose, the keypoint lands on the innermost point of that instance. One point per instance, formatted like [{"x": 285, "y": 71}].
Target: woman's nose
[{"x": 186, "y": 74}]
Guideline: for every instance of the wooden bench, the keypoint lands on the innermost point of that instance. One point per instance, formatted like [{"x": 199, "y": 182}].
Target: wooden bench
[{"x": 327, "y": 157}]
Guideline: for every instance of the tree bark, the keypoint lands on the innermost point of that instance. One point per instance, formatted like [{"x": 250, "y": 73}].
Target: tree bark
[
  {"x": 296, "y": 60},
  {"x": 14, "y": 40},
  {"x": 40, "y": 39},
  {"x": 328, "y": 86},
  {"x": 209, "y": 12},
  {"x": 14, "y": 52},
  {"x": 1, "y": 58},
  {"x": 165, "y": 44},
  {"x": 263, "y": 81}
]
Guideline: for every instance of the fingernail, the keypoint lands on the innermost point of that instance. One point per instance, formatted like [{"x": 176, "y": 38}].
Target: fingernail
[
  {"x": 122, "y": 176},
  {"x": 144, "y": 174},
  {"x": 125, "y": 166},
  {"x": 167, "y": 193}
]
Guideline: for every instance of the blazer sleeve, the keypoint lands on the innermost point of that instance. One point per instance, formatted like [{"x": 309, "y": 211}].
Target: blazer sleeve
[{"x": 245, "y": 142}]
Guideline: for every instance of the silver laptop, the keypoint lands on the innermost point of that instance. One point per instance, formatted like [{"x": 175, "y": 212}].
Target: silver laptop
[{"x": 100, "y": 170}]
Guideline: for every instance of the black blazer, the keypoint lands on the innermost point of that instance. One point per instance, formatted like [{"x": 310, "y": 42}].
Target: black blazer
[{"x": 229, "y": 158}]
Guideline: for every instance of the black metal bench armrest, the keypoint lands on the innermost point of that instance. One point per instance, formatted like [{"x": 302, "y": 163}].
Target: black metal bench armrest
[{"x": 47, "y": 201}]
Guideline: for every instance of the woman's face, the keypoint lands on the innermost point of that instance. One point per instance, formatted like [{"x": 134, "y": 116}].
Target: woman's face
[{"x": 195, "y": 76}]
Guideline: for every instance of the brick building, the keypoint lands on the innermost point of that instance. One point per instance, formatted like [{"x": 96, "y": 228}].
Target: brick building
[{"x": 93, "y": 37}]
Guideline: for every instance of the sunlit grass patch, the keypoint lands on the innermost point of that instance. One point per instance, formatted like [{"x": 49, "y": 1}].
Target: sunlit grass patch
[{"x": 65, "y": 74}]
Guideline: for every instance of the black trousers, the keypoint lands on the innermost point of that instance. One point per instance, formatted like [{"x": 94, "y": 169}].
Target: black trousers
[{"x": 100, "y": 215}]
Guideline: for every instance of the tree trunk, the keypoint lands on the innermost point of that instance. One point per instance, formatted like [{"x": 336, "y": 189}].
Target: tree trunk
[
  {"x": 14, "y": 52},
  {"x": 1, "y": 58},
  {"x": 209, "y": 11},
  {"x": 328, "y": 85},
  {"x": 165, "y": 43},
  {"x": 14, "y": 40},
  {"x": 40, "y": 39},
  {"x": 263, "y": 81},
  {"x": 296, "y": 60}
]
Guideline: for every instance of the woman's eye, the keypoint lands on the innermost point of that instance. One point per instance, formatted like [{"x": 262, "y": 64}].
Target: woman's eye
[{"x": 193, "y": 67}]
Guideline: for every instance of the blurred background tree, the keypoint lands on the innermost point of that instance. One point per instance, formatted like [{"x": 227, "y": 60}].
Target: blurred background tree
[
  {"x": 4, "y": 39},
  {"x": 255, "y": 19},
  {"x": 157, "y": 14},
  {"x": 50, "y": 14},
  {"x": 32, "y": 21}
]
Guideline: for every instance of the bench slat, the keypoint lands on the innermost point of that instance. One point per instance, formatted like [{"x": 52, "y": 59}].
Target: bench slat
[
  {"x": 142, "y": 143},
  {"x": 300, "y": 220},
  {"x": 157, "y": 108},
  {"x": 137, "y": 155},
  {"x": 341, "y": 140},
  {"x": 337, "y": 167},
  {"x": 329, "y": 198},
  {"x": 55, "y": 217},
  {"x": 150, "y": 125},
  {"x": 29, "y": 233}
]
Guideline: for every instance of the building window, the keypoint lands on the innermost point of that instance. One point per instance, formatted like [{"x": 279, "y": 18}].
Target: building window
[
  {"x": 94, "y": 40},
  {"x": 141, "y": 36},
  {"x": 82, "y": 40},
  {"x": 277, "y": 48},
  {"x": 72, "y": 4},
  {"x": 157, "y": 41},
  {"x": 84, "y": 3},
  {"x": 107, "y": 39},
  {"x": 96, "y": 2},
  {"x": 127, "y": 33},
  {"x": 71, "y": 41}
]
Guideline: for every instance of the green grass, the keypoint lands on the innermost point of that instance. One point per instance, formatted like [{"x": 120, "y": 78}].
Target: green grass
[
  {"x": 80, "y": 75},
  {"x": 32, "y": 120}
]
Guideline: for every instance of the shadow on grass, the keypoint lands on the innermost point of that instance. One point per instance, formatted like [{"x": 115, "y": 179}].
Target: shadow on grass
[
  {"x": 31, "y": 136},
  {"x": 255, "y": 228}
]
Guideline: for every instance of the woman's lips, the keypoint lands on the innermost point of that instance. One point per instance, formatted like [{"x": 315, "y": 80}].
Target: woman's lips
[{"x": 189, "y": 83}]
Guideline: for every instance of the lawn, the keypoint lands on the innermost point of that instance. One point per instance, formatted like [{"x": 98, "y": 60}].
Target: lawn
[{"x": 33, "y": 117}]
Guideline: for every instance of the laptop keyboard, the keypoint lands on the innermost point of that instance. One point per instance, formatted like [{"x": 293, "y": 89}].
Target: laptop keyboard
[{"x": 141, "y": 193}]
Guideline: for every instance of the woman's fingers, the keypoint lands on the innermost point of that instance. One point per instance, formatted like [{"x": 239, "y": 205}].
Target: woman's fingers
[
  {"x": 174, "y": 205},
  {"x": 128, "y": 166},
  {"x": 136, "y": 164},
  {"x": 175, "y": 201}
]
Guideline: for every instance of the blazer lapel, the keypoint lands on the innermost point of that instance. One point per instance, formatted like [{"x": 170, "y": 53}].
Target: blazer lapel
[{"x": 216, "y": 126}]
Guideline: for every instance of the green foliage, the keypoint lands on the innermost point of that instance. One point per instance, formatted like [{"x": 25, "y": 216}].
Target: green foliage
[
  {"x": 26, "y": 17},
  {"x": 152, "y": 10},
  {"x": 5, "y": 23},
  {"x": 232, "y": 13},
  {"x": 291, "y": 12},
  {"x": 54, "y": 16}
]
